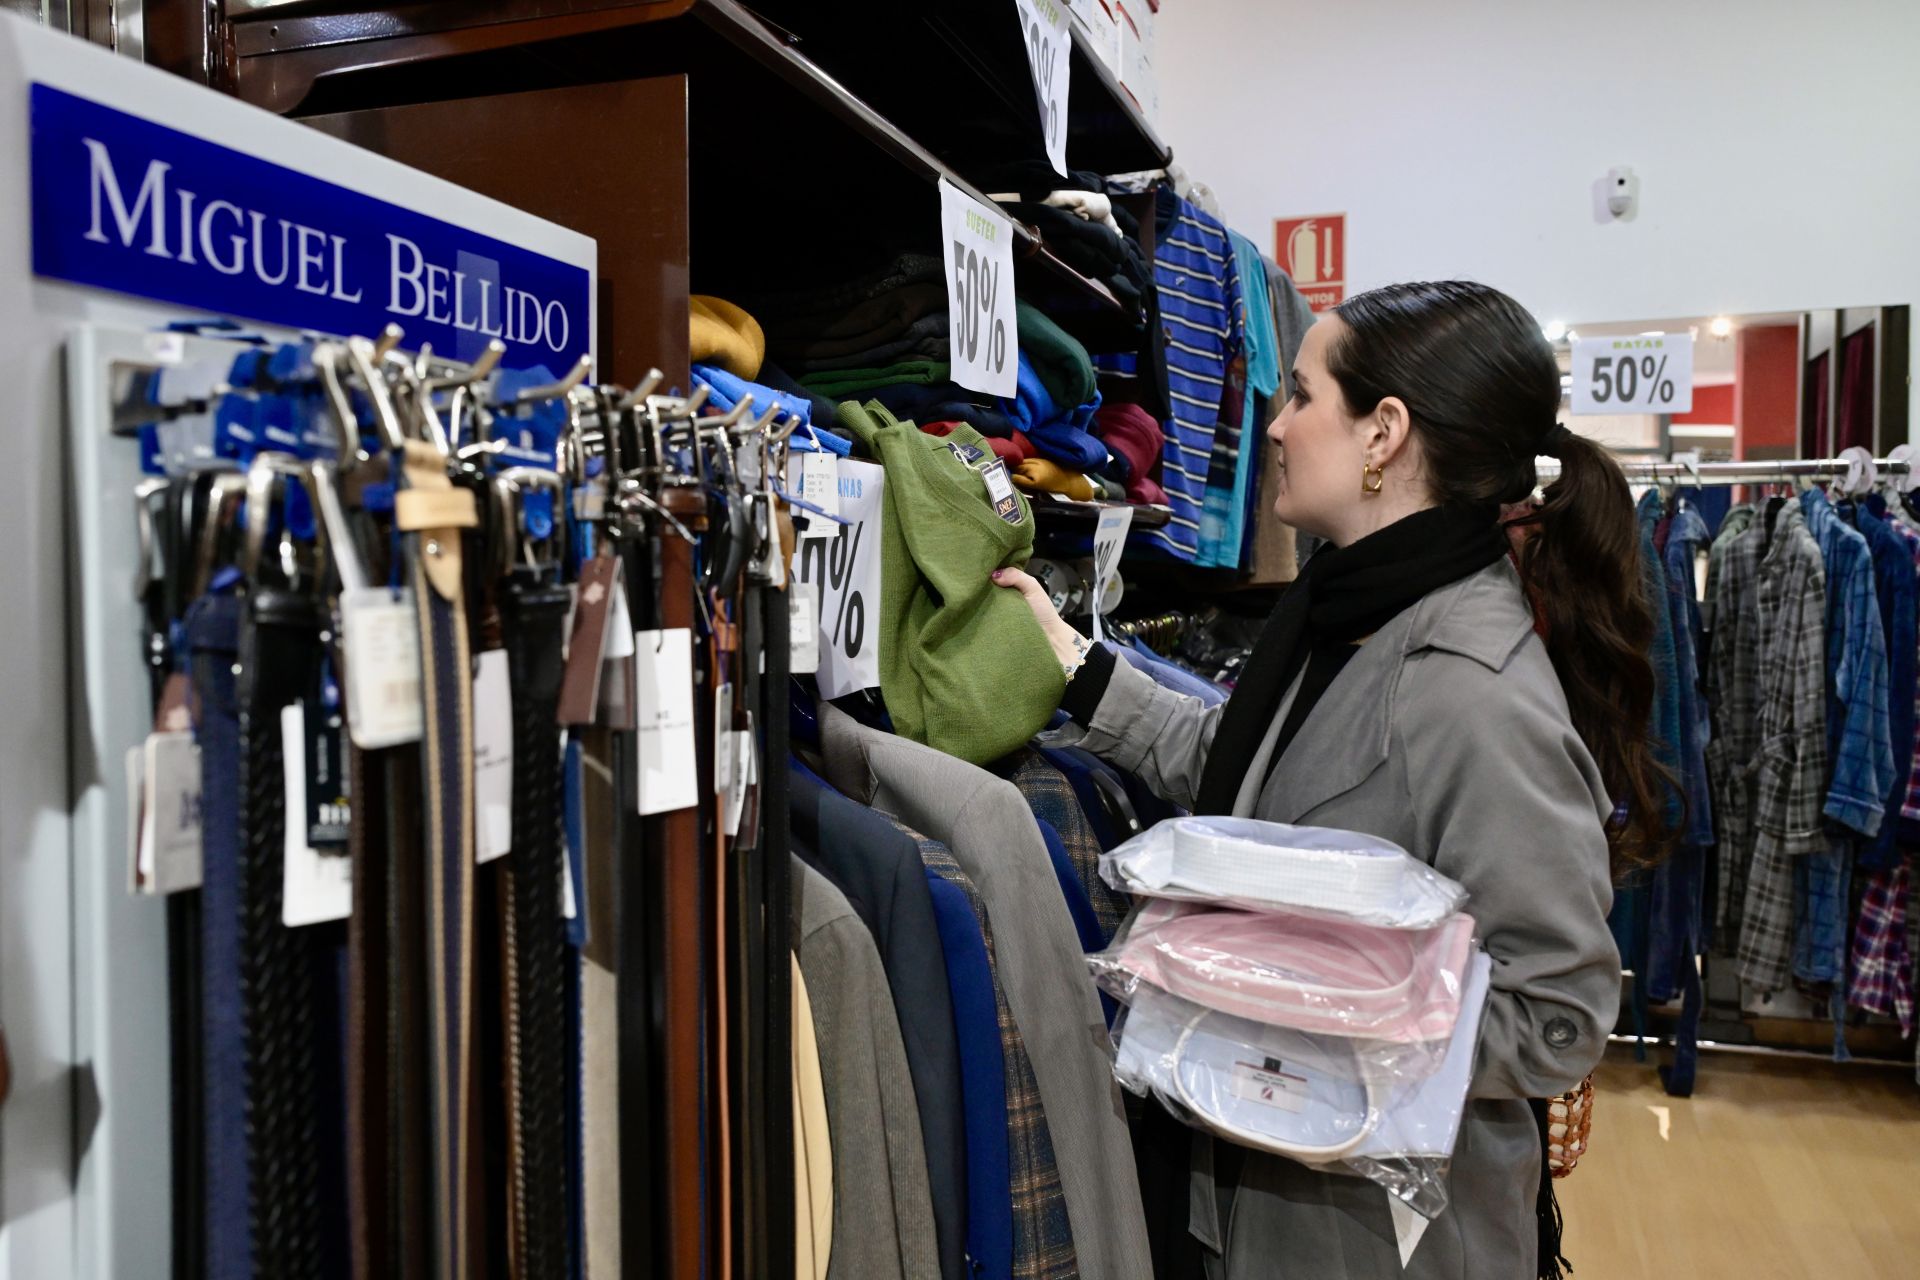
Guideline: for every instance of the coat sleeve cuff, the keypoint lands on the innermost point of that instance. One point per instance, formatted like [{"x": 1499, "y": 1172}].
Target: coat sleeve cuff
[{"x": 1089, "y": 685}]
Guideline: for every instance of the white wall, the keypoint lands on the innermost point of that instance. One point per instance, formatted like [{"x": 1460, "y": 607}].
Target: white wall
[{"x": 1777, "y": 143}]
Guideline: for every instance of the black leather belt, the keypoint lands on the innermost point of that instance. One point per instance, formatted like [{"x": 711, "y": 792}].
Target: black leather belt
[
  {"x": 534, "y": 616},
  {"x": 279, "y": 663}
]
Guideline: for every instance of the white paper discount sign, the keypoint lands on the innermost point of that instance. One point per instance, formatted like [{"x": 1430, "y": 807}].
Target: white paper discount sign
[
  {"x": 1109, "y": 539},
  {"x": 1049, "y": 53},
  {"x": 843, "y": 573},
  {"x": 1650, "y": 373},
  {"x": 979, "y": 252}
]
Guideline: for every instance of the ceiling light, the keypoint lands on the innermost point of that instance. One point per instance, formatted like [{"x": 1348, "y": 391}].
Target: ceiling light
[
  {"x": 1720, "y": 327},
  {"x": 1555, "y": 330}
]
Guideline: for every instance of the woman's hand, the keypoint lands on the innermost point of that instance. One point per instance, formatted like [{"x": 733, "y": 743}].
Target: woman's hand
[{"x": 1068, "y": 645}]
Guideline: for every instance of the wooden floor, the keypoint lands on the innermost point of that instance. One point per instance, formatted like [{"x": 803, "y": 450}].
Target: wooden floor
[{"x": 1773, "y": 1169}]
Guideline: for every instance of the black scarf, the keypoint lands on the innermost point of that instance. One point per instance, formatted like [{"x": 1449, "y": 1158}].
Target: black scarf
[{"x": 1344, "y": 594}]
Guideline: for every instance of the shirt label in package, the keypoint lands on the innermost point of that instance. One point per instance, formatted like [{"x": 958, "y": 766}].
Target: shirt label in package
[{"x": 1270, "y": 1083}]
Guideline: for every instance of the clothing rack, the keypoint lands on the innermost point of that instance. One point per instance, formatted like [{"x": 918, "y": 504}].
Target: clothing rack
[{"x": 1753, "y": 472}]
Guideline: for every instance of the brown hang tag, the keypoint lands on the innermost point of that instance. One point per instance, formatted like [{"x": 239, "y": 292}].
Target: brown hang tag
[{"x": 595, "y": 593}]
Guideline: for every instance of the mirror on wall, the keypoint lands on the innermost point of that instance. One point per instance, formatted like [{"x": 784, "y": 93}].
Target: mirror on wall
[{"x": 1797, "y": 384}]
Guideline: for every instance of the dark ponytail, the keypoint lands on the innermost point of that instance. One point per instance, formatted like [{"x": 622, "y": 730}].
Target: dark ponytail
[{"x": 1482, "y": 387}]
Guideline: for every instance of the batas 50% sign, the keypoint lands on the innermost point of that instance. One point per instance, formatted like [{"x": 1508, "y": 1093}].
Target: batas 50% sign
[
  {"x": 979, "y": 251},
  {"x": 1646, "y": 373}
]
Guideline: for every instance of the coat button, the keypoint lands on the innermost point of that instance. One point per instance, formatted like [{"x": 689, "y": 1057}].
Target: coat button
[{"x": 1560, "y": 1033}]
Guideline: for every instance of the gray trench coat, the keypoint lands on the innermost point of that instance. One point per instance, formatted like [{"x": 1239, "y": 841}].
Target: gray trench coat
[{"x": 1448, "y": 733}]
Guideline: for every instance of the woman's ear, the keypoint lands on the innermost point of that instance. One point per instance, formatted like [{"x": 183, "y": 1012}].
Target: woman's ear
[{"x": 1386, "y": 430}]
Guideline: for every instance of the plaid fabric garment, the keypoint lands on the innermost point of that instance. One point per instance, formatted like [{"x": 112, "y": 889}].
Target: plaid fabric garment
[
  {"x": 1863, "y": 768},
  {"x": 1050, "y": 796},
  {"x": 1910, "y": 804},
  {"x": 1732, "y": 680},
  {"x": 1882, "y": 965},
  {"x": 1787, "y": 776},
  {"x": 1042, "y": 1235}
]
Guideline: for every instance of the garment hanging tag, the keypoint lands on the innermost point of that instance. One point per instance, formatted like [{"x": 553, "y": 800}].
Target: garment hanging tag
[
  {"x": 745, "y": 770},
  {"x": 329, "y": 812},
  {"x": 137, "y": 819},
  {"x": 580, "y": 680},
  {"x": 803, "y": 630},
  {"x": 1006, "y": 504},
  {"x": 169, "y": 800},
  {"x": 380, "y": 640},
  {"x": 820, "y": 485},
  {"x": 1109, "y": 538},
  {"x": 492, "y": 756},
  {"x": 1043, "y": 24},
  {"x": 978, "y": 243},
  {"x": 663, "y": 680},
  {"x": 316, "y": 887},
  {"x": 723, "y": 740}
]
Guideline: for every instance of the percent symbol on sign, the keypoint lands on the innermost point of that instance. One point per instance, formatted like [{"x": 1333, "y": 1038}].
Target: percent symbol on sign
[
  {"x": 1629, "y": 375},
  {"x": 852, "y": 614}
]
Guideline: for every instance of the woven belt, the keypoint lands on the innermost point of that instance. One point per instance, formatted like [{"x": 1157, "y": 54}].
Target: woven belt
[
  {"x": 534, "y": 615},
  {"x": 433, "y": 513},
  {"x": 213, "y": 636},
  {"x": 279, "y": 661}
]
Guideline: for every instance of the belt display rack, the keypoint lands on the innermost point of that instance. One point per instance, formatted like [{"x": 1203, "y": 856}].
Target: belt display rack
[{"x": 386, "y": 969}]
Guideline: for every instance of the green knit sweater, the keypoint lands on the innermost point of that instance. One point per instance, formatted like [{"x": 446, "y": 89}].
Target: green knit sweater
[
  {"x": 834, "y": 383},
  {"x": 964, "y": 665}
]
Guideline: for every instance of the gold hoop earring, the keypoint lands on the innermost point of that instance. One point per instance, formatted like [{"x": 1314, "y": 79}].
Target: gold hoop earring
[{"x": 1372, "y": 478}]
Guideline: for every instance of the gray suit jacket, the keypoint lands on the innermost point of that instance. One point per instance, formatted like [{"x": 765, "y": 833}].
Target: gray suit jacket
[
  {"x": 992, "y": 835},
  {"x": 1448, "y": 733},
  {"x": 882, "y": 1209}
]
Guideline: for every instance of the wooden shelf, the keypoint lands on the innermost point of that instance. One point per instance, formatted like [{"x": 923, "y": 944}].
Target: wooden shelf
[
  {"x": 773, "y": 190},
  {"x": 1050, "y": 509}
]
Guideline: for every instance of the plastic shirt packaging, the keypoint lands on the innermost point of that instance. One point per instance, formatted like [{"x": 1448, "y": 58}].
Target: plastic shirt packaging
[
  {"x": 1336, "y": 1103},
  {"x": 1266, "y": 866},
  {"x": 1399, "y": 989}
]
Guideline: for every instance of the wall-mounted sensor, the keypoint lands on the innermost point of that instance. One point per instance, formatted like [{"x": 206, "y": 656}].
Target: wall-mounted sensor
[{"x": 1623, "y": 192}]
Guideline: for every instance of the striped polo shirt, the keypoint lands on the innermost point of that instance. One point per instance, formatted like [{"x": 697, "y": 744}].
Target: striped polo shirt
[{"x": 1201, "y": 313}]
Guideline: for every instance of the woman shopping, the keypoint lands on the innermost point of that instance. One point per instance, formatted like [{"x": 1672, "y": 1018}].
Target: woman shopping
[{"x": 1476, "y": 692}]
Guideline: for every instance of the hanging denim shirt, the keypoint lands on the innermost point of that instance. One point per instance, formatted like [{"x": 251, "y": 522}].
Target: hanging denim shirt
[
  {"x": 1685, "y": 537},
  {"x": 1858, "y": 735},
  {"x": 1857, "y": 715},
  {"x": 1899, "y": 598}
]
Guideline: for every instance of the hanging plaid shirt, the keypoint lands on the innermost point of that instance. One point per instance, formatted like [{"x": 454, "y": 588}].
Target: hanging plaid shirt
[
  {"x": 1050, "y": 796},
  {"x": 1858, "y": 735},
  {"x": 1042, "y": 1235},
  {"x": 1910, "y": 804},
  {"x": 1768, "y": 671},
  {"x": 1882, "y": 965},
  {"x": 1859, "y": 738}
]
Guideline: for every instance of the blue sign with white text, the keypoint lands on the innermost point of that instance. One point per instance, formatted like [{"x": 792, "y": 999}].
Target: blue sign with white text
[{"x": 126, "y": 204}]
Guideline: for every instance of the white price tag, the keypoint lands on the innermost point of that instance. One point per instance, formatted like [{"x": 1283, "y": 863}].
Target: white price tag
[
  {"x": 1109, "y": 539},
  {"x": 746, "y": 771},
  {"x": 1643, "y": 374},
  {"x": 1043, "y": 24},
  {"x": 984, "y": 338},
  {"x": 803, "y": 630},
  {"x": 820, "y": 485},
  {"x": 172, "y": 813},
  {"x": 619, "y": 642},
  {"x": 723, "y": 740},
  {"x": 663, "y": 683},
  {"x": 492, "y": 757},
  {"x": 316, "y": 887},
  {"x": 380, "y": 632},
  {"x": 845, "y": 572}
]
